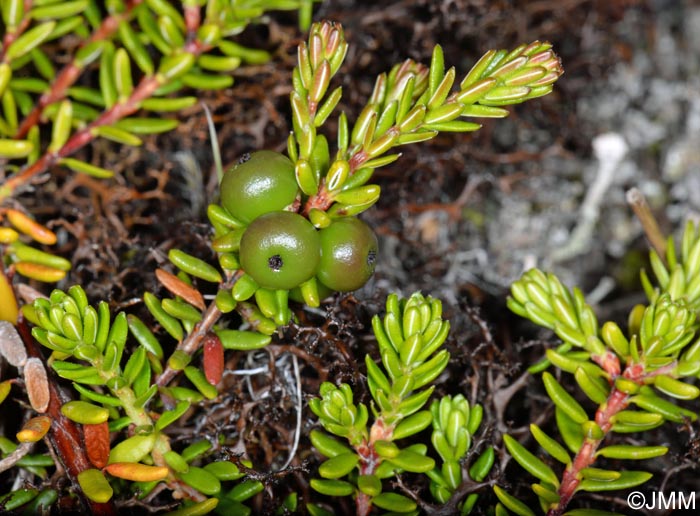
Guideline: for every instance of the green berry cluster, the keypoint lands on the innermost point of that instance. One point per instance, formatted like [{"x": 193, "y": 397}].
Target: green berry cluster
[
  {"x": 260, "y": 232},
  {"x": 288, "y": 227}
]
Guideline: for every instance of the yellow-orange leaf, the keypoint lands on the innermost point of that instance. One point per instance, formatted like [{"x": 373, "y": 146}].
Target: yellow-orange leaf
[
  {"x": 136, "y": 472},
  {"x": 8, "y": 304},
  {"x": 8, "y": 235},
  {"x": 40, "y": 272},
  {"x": 5, "y": 389},
  {"x": 30, "y": 227},
  {"x": 34, "y": 430}
]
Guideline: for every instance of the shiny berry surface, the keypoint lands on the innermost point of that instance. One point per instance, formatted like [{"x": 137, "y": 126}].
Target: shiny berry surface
[
  {"x": 263, "y": 183},
  {"x": 280, "y": 250},
  {"x": 348, "y": 254}
]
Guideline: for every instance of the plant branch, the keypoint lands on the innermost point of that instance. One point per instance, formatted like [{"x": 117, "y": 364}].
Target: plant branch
[
  {"x": 616, "y": 402},
  {"x": 14, "y": 457},
  {"x": 145, "y": 89},
  {"x": 71, "y": 71},
  {"x": 192, "y": 342},
  {"x": 11, "y": 36},
  {"x": 65, "y": 436}
]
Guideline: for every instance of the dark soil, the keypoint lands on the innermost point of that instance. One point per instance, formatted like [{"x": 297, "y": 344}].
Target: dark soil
[{"x": 460, "y": 217}]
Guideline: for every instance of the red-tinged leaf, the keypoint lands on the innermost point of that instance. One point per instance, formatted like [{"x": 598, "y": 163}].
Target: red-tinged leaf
[
  {"x": 213, "y": 359},
  {"x": 178, "y": 287},
  {"x": 97, "y": 443}
]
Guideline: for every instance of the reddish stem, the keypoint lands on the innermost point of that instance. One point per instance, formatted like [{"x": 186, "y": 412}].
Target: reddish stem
[
  {"x": 616, "y": 402},
  {"x": 193, "y": 341},
  {"x": 144, "y": 90},
  {"x": 322, "y": 200},
  {"x": 65, "y": 436},
  {"x": 11, "y": 37},
  {"x": 193, "y": 19},
  {"x": 70, "y": 73},
  {"x": 370, "y": 461},
  {"x": 358, "y": 159}
]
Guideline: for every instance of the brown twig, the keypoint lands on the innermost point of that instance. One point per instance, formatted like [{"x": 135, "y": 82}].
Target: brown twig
[
  {"x": 451, "y": 506},
  {"x": 638, "y": 203},
  {"x": 318, "y": 365},
  {"x": 192, "y": 342},
  {"x": 14, "y": 457}
]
